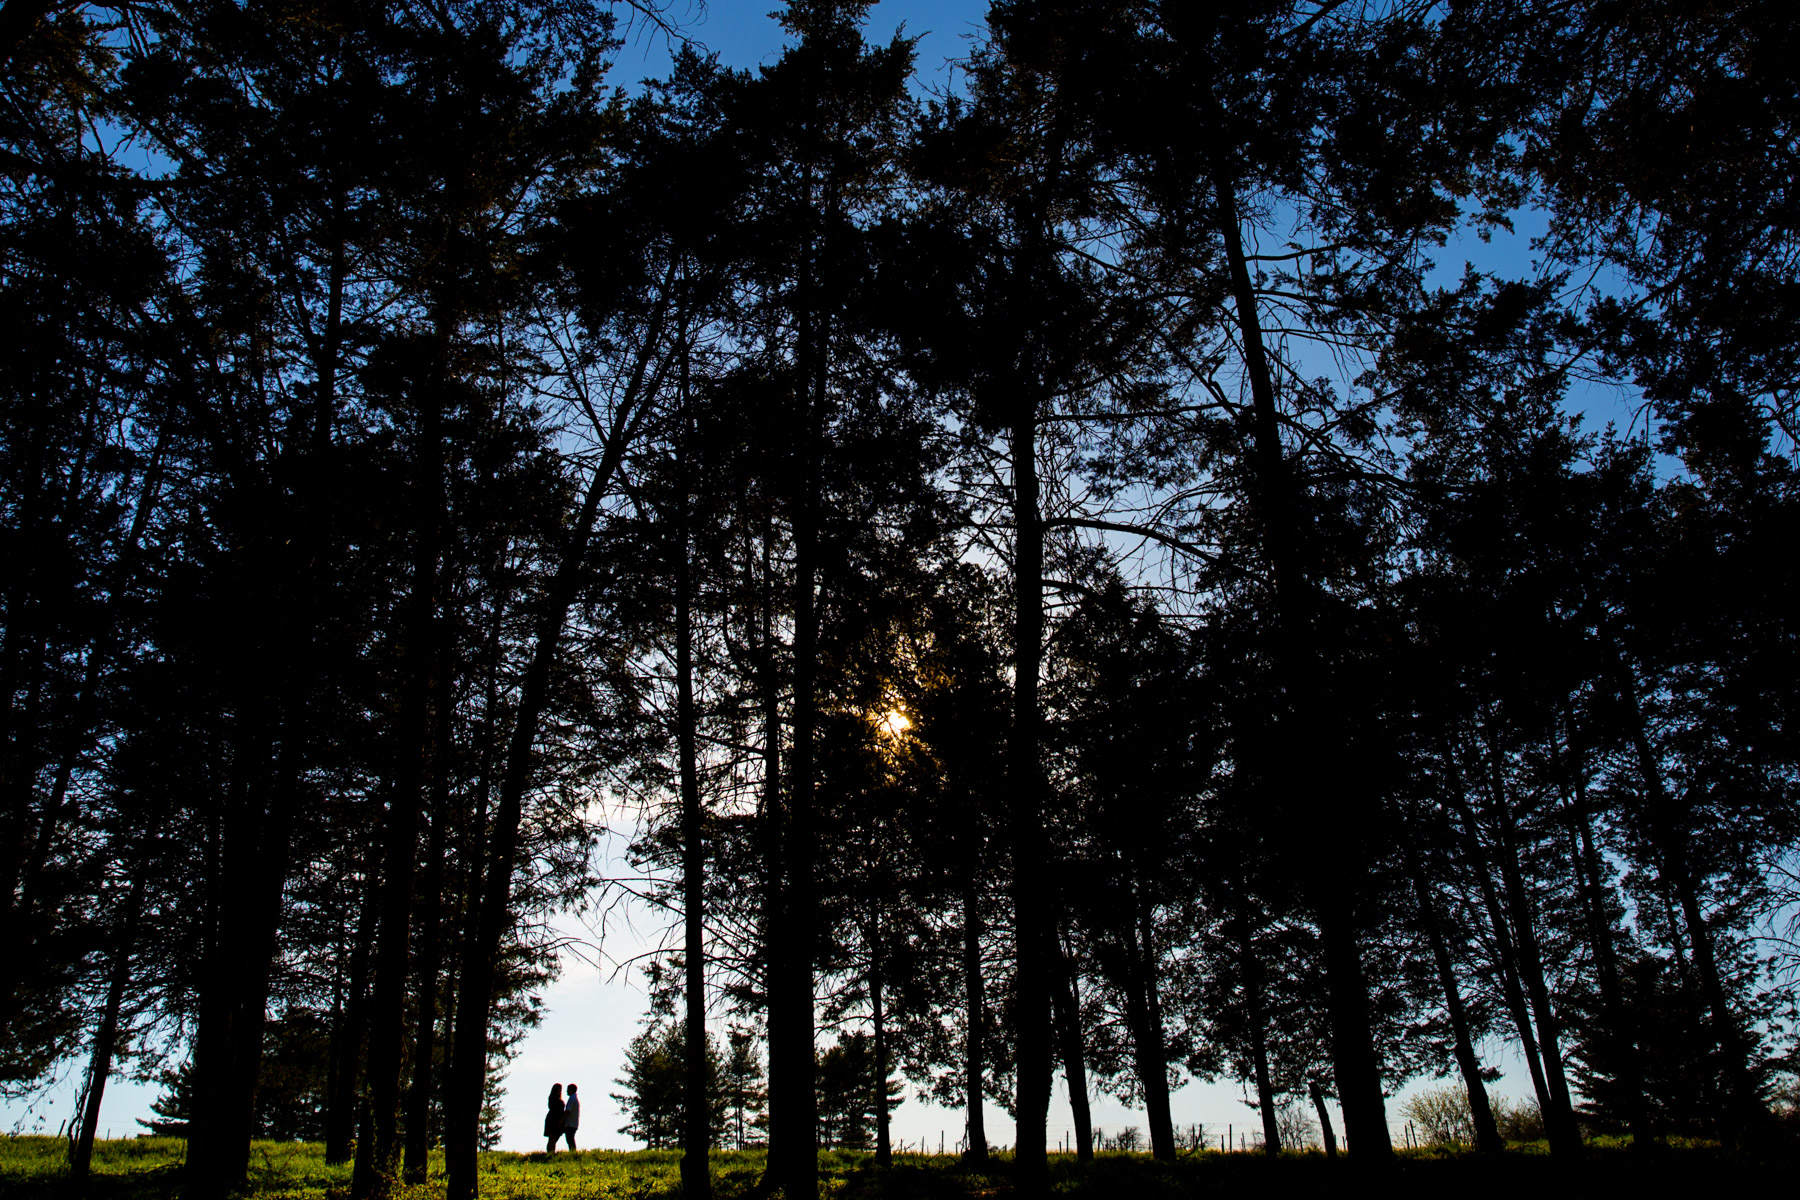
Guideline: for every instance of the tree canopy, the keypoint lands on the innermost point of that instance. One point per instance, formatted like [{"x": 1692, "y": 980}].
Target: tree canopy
[{"x": 1070, "y": 573}]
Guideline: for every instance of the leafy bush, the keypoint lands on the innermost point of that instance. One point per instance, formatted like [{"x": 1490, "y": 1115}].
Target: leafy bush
[
  {"x": 1442, "y": 1115},
  {"x": 1519, "y": 1120}
]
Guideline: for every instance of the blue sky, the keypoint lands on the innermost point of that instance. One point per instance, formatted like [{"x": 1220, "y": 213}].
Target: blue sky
[{"x": 745, "y": 35}]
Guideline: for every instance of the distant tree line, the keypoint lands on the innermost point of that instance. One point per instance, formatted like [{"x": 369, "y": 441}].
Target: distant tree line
[{"x": 1069, "y": 578}]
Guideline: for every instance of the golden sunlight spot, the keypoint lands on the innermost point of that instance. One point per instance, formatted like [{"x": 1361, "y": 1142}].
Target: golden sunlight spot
[{"x": 893, "y": 722}]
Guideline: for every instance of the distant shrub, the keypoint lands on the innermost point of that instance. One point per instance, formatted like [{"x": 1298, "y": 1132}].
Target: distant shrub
[
  {"x": 1295, "y": 1124},
  {"x": 1784, "y": 1101},
  {"x": 1519, "y": 1120},
  {"x": 1442, "y": 1115},
  {"x": 1128, "y": 1138}
]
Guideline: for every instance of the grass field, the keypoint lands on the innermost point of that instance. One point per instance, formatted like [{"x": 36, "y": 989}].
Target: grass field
[{"x": 150, "y": 1169}]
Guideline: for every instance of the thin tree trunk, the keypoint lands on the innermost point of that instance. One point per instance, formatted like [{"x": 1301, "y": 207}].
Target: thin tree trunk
[
  {"x": 106, "y": 1036},
  {"x": 1510, "y": 987},
  {"x": 1487, "y": 1132},
  {"x": 211, "y": 1046},
  {"x": 343, "y": 1083},
  {"x": 884, "y": 1150},
  {"x": 258, "y": 947},
  {"x": 430, "y": 951},
  {"x": 696, "y": 1142},
  {"x": 1325, "y": 1130},
  {"x": 1153, "y": 1058},
  {"x": 417, "y": 1168},
  {"x": 1251, "y": 964},
  {"x": 463, "y": 912},
  {"x": 1559, "y": 1113},
  {"x": 975, "y": 1038},
  {"x": 771, "y": 828},
  {"x": 1066, "y": 1009},
  {"x": 1559, "y": 1118},
  {"x": 418, "y": 1101},
  {"x": 1031, "y": 933}
]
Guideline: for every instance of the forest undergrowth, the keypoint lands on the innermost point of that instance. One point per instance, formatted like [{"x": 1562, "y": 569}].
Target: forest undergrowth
[{"x": 152, "y": 1168}]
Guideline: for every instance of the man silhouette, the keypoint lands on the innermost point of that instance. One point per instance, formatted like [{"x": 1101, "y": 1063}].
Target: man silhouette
[{"x": 571, "y": 1117}]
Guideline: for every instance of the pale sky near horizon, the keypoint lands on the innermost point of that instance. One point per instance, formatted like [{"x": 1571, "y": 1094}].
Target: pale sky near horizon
[{"x": 591, "y": 1013}]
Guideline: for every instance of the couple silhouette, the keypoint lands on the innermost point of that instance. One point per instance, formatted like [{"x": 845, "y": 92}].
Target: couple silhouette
[{"x": 562, "y": 1119}]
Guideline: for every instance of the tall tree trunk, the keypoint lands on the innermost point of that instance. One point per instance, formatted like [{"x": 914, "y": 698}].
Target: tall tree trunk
[
  {"x": 378, "y": 1173},
  {"x": 258, "y": 947},
  {"x": 279, "y": 585},
  {"x": 1066, "y": 1009},
  {"x": 348, "y": 1031},
  {"x": 1487, "y": 1132},
  {"x": 418, "y": 1121},
  {"x": 467, "y": 1078},
  {"x": 252, "y": 859},
  {"x": 1336, "y": 869},
  {"x": 1559, "y": 1114},
  {"x": 793, "y": 1161},
  {"x": 771, "y": 831},
  {"x": 430, "y": 946},
  {"x": 1152, "y": 1044},
  {"x": 975, "y": 1038},
  {"x": 431, "y": 915},
  {"x": 466, "y": 1084},
  {"x": 696, "y": 1141},
  {"x": 106, "y": 1036},
  {"x": 1031, "y": 1015}
]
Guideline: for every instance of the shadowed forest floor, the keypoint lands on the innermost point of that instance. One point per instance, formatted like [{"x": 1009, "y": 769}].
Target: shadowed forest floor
[{"x": 150, "y": 1169}]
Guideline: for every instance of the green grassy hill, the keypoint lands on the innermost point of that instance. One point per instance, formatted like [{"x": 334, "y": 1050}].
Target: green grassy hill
[{"x": 150, "y": 1169}]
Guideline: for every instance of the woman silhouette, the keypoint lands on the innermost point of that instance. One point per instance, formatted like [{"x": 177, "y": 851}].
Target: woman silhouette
[{"x": 553, "y": 1119}]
